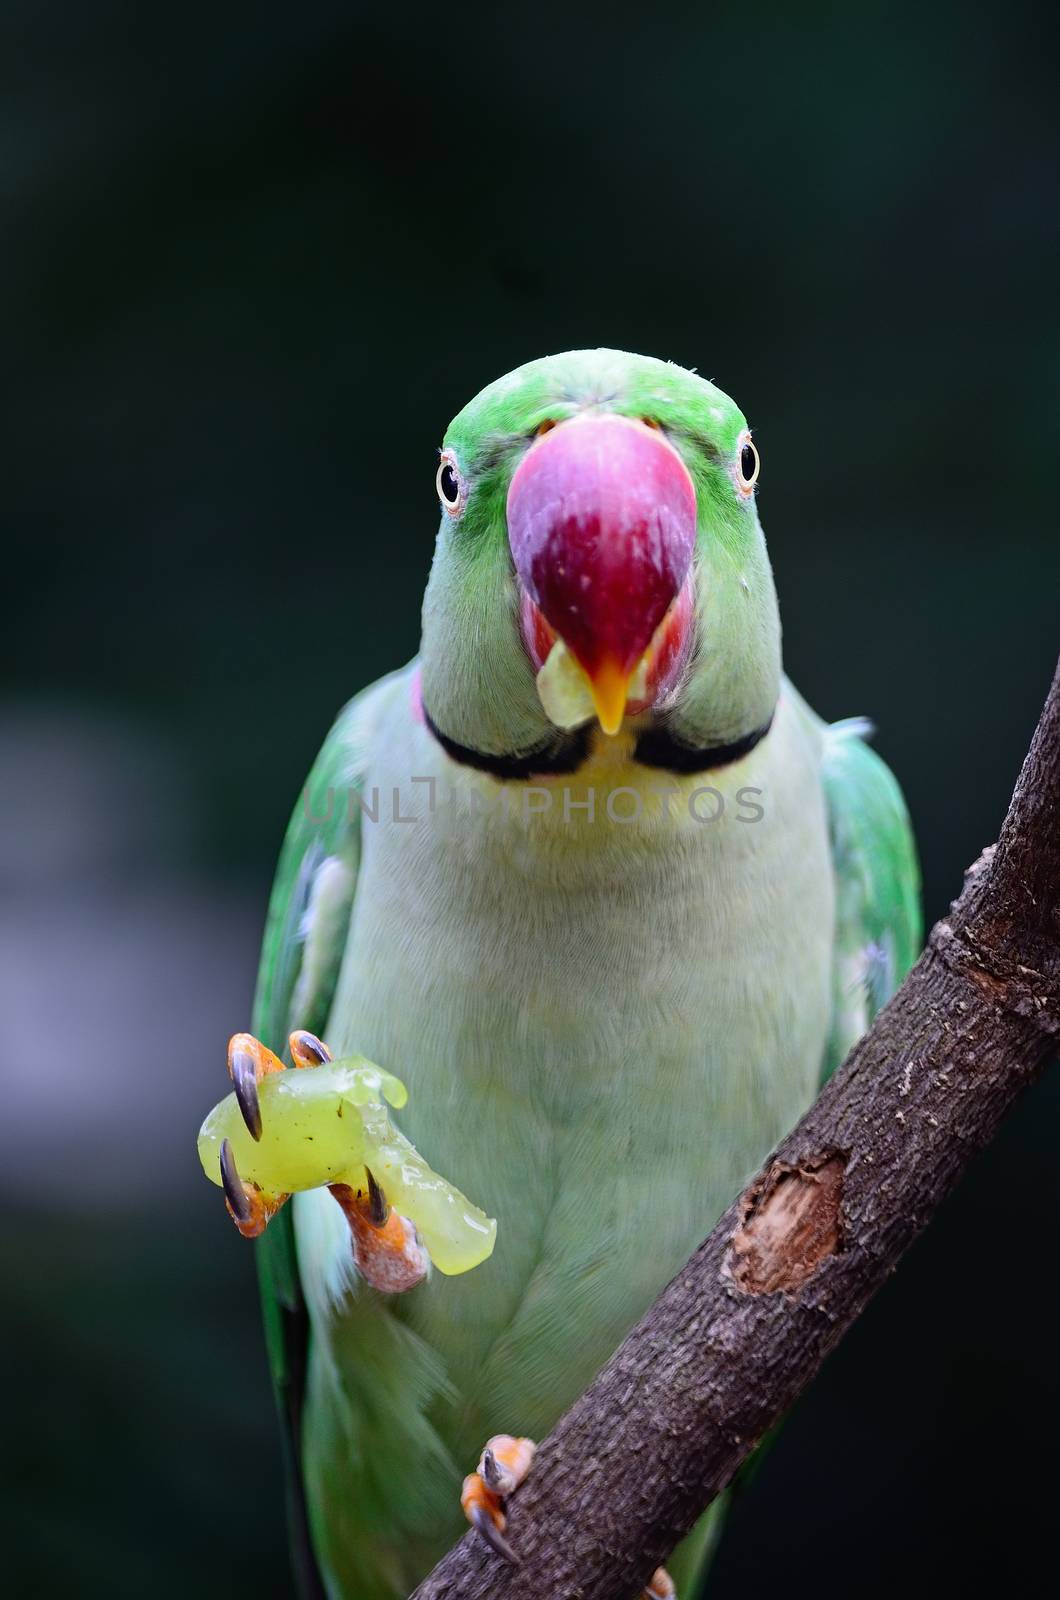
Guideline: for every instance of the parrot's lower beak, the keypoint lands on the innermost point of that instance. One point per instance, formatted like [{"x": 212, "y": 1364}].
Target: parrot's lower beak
[{"x": 602, "y": 527}]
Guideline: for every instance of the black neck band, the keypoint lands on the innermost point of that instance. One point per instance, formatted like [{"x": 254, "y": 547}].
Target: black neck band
[
  {"x": 566, "y": 756},
  {"x": 655, "y": 748},
  {"x": 658, "y": 748}
]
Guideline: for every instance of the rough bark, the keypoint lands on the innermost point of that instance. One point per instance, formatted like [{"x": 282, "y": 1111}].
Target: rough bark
[{"x": 739, "y": 1333}]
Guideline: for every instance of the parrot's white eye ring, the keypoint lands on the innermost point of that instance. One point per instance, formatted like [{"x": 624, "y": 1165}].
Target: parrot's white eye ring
[
  {"x": 449, "y": 482},
  {"x": 748, "y": 465}
]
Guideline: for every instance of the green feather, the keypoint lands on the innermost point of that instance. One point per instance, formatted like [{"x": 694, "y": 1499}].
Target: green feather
[
  {"x": 878, "y": 917},
  {"x": 325, "y": 828}
]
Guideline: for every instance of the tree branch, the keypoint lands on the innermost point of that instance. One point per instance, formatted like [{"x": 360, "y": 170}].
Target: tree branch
[{"x": 743, "y": 1328}]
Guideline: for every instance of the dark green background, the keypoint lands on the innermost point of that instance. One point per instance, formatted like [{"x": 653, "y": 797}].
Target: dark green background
[{"x": 254, "y": 261}]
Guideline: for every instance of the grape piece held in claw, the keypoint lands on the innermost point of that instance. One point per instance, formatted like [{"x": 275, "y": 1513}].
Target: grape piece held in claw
[{"x": 327, "y": 1125}]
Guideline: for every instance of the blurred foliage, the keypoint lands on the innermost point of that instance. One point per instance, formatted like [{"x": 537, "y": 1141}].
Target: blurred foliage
[{"x": 256, "y": 258}]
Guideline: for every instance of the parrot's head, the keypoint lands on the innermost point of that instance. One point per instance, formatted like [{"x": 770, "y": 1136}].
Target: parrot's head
[{"x": 600, "y": 566}]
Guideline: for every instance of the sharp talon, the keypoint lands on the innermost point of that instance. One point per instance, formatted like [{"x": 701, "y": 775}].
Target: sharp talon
[
  {"x": 503, "y": 1465},
  {"x": 490, "y": 1473},
  {"x": 481, "y": 1519},
  {"x": 661, "y": 1586},
  {"x": 307, "y": 1050},
  {"x": 378, "y": 1209},
  {"x": 245, "y": 1082},
  {"x": 232, "y": 1185}
]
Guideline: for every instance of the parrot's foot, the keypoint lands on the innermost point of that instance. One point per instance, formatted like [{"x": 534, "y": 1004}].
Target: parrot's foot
[
  {"x": 503, "y": 1465},
  {"x": 386, "y": 1247},
  {"x": 282, "y": 1132}
]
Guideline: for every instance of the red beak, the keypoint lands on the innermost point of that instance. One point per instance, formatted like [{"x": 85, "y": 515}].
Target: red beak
[{"x": 602, "y": 527}]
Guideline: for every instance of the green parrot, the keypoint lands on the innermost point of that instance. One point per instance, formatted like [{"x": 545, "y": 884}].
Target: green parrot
[{"x": 596, "y": 884}]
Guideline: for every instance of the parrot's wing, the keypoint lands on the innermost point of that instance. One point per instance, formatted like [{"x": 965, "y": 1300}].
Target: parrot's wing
[
  {"x": 878, "y": 920},
  {"x": 305, "y": 936}
]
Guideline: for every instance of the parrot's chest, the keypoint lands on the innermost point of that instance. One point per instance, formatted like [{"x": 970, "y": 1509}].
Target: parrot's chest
[{"x": 608, "y": 995}]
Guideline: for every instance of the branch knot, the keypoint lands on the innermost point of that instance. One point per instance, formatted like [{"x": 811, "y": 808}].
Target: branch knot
[{"x": 791, "y": 1222}]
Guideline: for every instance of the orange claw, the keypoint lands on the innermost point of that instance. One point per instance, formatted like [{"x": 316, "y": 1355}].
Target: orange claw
[
  {"x": 248, "y": 1062},
  {"x": 483, "y": 1510},
  {"x": 503, "y": 1465},
  {"x": 249, "y": 1206},
  {"x": 661, "y": 1586},
  {"x": 307, "y": 1050},
  {"x": 505, "y": 1462},
  {"x": 262, "y": 1058},
  {"x": 386, "y": 1247}
]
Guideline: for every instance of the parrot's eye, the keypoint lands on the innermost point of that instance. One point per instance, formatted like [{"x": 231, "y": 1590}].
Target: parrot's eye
[
  {"x": 748, "y": 465},
  {"x": 449, "y": 484}
]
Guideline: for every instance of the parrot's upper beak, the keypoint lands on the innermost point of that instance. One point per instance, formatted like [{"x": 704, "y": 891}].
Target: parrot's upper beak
[{"x": 602, "y": 528}]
